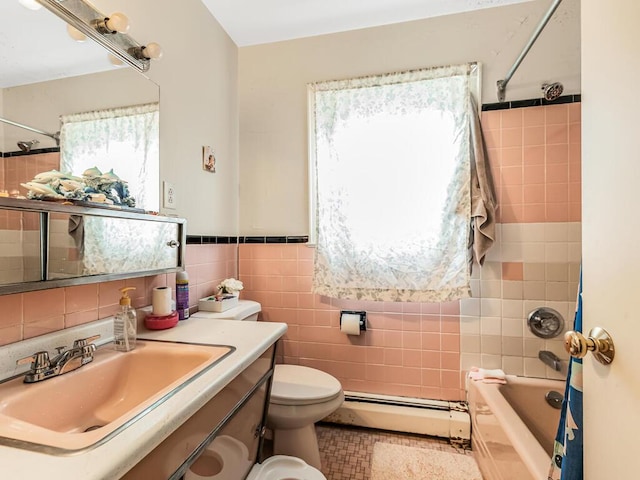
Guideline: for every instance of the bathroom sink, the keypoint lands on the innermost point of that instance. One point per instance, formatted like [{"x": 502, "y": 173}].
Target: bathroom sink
[{"x": 90, "y": 405}]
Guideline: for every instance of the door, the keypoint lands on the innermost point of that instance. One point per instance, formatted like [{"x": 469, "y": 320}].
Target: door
[{"x": 611, "y": 233}]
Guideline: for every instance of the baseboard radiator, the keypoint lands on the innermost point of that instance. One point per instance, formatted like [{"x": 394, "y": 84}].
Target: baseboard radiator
[{"x": 402, "y": 414}]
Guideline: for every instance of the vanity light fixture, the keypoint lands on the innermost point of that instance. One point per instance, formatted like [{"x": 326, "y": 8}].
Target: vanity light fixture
[
  {"x": 116, "y": 23},
  {"x": 152, "y": 51},
  {"x": 108, "y": 31}
]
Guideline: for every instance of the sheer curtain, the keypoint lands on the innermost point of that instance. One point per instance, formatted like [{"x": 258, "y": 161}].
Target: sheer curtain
[
  {"x": 392, "y": 185},
  {"x": 123, "y": 139}
]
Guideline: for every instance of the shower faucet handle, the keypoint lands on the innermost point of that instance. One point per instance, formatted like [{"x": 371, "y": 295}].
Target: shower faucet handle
[{"x": 599, "y": 342}]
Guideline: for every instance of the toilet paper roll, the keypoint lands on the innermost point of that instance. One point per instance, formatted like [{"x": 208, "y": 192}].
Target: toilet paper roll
[
  {"x": 161, "y": 301},
  {"x": 350, "y": 324}
]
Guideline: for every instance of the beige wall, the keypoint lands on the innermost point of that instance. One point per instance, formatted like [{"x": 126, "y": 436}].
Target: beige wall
[
  {"x": 273, "y": 97},
  {"x": 198, "y": 106}
]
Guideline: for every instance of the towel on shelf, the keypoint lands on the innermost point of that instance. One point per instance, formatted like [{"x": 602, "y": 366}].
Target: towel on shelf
[{"x": 488, "y": 376}]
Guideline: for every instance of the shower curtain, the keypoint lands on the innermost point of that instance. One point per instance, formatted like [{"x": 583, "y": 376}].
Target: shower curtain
[{"x": 566, "y": 463}]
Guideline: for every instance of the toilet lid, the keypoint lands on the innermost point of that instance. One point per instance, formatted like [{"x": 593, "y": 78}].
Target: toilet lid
[{"x": 298, "y": 385}]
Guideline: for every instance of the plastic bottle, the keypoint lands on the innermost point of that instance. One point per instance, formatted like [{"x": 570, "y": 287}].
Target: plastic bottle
[
  {"x": 125, "y": 324},
  {"x": 182, "y": 295}
]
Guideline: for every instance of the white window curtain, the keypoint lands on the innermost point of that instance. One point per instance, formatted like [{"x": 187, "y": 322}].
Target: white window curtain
[
  {"x": 123, "y": 139},
  {"x": 392, "y": 185}
]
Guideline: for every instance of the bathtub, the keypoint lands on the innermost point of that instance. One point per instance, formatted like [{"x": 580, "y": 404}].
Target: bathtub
[{"x": 513, "y": 428}]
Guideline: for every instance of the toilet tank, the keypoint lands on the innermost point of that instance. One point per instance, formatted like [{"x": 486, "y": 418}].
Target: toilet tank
[{"x": 246, "y": 310}]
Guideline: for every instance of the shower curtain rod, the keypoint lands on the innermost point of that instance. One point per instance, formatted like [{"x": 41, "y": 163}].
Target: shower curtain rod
[
  {"x": 55, "y": 136},
  {"x": 502, "y": 84}
]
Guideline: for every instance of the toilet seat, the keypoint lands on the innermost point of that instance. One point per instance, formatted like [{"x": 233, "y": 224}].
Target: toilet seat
[
  {"x": 298, "y": 385},
  {"x": 282, "y": 467},
  {"x": 227, "y": 455}
]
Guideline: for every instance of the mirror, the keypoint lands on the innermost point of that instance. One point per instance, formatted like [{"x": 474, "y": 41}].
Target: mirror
[
  {"x": 49, "y": 245},
  {"x": 44, "y": 74},
  {"x": 20, "y": 247},
  {"x": 82, "y": 245}
]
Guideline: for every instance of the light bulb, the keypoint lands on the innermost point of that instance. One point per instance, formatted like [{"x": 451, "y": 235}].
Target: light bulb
[
  {"x": 115, "y": 60},
  {"x": 152, "y": 51},
  {"x": 118, "y": 22},
  {"x": 76, "y": 34},
  {"x": 30, "y": 4}
]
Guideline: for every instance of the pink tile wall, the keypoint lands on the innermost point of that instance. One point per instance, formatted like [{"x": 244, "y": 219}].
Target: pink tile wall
[
  {"x": 23, "y": 168},
  {"x": 535, "y": 157},
  {"x": 409, "y": 349},
  {"x": 27, "y": 315},
  {"x": 413, "y": 349}
]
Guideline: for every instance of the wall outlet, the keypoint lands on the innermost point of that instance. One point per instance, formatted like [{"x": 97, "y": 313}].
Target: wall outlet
[{"x": 168, "y": 195}]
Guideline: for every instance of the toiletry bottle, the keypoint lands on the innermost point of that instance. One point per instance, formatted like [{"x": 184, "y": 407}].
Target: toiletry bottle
[
  {"x": 125, "y": 324},
  {"x": 182, "y": 295}
]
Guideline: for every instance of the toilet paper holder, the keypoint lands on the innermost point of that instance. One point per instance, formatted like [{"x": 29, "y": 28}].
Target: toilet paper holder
[{"x": 361, "y": 314}]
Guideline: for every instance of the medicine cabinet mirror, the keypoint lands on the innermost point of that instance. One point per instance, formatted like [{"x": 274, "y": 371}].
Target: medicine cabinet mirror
[{"x": 49, "y": 245}]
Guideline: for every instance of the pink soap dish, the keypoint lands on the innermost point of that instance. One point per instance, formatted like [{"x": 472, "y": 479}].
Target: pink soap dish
[{"x": 161, "y": 322}]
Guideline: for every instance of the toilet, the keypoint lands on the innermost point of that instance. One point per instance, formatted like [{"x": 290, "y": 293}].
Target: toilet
[
  {"x": 300, "y": 396},
  {"x": 226, "y": 459}
]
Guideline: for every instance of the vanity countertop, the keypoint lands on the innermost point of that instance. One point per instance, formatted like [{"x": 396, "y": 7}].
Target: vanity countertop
[{"x": 117, "y": 456}]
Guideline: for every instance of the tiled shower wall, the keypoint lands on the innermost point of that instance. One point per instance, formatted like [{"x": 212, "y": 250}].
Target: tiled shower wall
[
  {"x": 535, "y": 157},
  {"x": 422, "y": 350}
]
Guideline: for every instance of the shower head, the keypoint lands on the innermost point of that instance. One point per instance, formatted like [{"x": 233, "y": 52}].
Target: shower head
[
  {"x": 27, "y": 146},
  {"x": 551, "y": 91}
]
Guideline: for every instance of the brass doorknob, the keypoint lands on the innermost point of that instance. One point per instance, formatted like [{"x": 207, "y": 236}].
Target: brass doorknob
[{"x": 599, "y": 342}]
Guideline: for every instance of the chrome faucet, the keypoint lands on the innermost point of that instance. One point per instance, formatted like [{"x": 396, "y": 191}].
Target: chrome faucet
[
  {"x": 551, "y": 359},
  {"x": 65, "y": 361}
]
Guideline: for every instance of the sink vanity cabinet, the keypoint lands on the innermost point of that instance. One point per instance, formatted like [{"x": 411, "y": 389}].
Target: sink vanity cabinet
[
  {"x": 237, "y": 412},
  {"x": 216, "y": 407}
]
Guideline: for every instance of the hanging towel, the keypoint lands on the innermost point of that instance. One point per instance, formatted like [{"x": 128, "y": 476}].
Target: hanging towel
[
  {"x": 487, "y": 376},
  {"x": 483, "y": 199},
  {"x": 566, "y": 463}
]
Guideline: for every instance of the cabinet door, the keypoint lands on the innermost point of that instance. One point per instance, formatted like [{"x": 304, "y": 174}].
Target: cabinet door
[{"x": 235, "y": 447}]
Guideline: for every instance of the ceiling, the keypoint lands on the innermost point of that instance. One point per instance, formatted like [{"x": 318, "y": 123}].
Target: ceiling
[
  {"x": 253, "y": 22},
  {"x": 51, "y": 54}
]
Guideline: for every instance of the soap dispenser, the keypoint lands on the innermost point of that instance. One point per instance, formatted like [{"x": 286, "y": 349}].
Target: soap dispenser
[{"x": 125, "y": 324}]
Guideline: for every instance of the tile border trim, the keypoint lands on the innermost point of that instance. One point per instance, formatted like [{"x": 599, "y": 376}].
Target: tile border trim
[
  {"x": 225, "y": 240},
  {"x": 534, "y": 102},
  {"x": 30, "y": 152}
]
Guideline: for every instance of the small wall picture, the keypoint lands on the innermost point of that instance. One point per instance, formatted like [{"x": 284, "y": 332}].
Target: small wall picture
[{"x": 208, "y": 159}]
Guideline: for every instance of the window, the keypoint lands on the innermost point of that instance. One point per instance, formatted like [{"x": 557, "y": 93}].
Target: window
[
  {"x": 390, "y": 163},
  {"x": 123, "y": 139}
]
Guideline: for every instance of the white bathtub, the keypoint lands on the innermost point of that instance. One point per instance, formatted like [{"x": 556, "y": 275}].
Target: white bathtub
[{"x": 513, "y": 428}]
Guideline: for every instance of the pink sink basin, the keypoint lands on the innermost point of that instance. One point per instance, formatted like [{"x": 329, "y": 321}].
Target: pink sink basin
[{"x": 90, "y": 405}]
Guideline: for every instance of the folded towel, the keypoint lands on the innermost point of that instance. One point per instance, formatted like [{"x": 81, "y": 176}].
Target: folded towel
[{"x": 488, "y": 376}]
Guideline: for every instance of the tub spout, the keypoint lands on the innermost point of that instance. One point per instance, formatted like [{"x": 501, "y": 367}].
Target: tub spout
[{"x": 550, "y": 358}]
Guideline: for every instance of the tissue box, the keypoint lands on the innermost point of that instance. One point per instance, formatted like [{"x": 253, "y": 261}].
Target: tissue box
[{"x": 210, "y": 304}]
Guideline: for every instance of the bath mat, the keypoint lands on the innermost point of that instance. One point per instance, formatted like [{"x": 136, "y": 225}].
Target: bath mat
[{"x": 398, "y": 462}]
